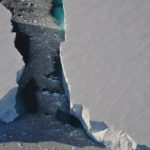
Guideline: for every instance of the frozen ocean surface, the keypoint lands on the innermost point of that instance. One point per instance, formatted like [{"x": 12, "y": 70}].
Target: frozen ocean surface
[
  {"x": 10, "y": 63},
  {"x": 106, "y": 60}
]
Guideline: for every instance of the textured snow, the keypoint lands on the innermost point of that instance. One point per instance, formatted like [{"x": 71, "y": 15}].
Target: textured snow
[
  {"x": 10, "y": 63},
  {"x": 106, "y": 61}
]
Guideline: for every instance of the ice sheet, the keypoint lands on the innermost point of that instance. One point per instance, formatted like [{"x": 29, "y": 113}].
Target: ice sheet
[
  {"x": 106, "y": 60},
  {"x": 10, "y": 63}
]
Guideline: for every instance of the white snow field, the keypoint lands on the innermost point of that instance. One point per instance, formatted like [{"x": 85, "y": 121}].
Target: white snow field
[
  {"x": 10, "y": 63},
  {"x": 106, "y": 61}
]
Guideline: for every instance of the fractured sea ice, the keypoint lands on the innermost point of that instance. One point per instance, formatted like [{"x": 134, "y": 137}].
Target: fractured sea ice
[
  {"x": 106, "y": 61},
  {"x": 10, "y": 63}
]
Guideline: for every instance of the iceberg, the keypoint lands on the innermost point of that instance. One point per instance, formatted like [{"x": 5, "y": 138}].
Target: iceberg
[
  {"x": 10, "y": 64},
  {"x": 106, "y": 61}
]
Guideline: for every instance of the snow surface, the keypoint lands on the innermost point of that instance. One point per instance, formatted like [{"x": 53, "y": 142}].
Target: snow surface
[
  {"x": 106, "y": 61},
  {"x": 10, "y": 63}
]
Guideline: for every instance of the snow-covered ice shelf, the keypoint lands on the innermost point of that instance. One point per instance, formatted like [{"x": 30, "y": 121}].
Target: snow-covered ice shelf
[
  {"x": 106, "y": 61},
  {"x": 10, "y": 63}
]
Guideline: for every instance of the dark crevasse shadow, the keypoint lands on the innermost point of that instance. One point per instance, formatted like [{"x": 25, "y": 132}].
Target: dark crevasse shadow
[
  {"x": 66, "y": 118},
  {"x": 26, "y": 99},
  {"x": 22, "y": 42}
]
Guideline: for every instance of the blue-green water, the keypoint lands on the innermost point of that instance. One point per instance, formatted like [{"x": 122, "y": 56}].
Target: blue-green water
[{"x": 57, "y": 12}]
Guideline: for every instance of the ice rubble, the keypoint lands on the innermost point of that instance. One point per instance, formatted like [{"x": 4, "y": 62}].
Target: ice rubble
[
  {"x": 106, "y": 64},
  {"x": 10, "y": 63}
]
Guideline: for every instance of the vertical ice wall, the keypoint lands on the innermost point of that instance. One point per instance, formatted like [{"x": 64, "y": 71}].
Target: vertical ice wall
[
  {"x": 10, "y": 63},
  {"x": 106, "y": 61}
]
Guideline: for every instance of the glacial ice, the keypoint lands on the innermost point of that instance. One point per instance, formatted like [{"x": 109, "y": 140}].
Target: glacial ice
[
  {"x": 10, "y": 63},
  {"x": 106, "y": 61}
]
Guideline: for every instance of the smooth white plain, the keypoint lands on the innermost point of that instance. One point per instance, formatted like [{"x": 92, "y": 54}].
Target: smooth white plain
[{"x": 106, "y": 60}]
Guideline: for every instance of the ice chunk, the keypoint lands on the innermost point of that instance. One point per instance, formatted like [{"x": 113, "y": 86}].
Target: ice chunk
[
  {"x": 106, "y": 60},
  {"x": 10, "y": 63}
]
